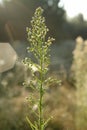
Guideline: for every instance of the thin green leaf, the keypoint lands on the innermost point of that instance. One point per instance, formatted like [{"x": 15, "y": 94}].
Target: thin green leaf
[{"x": 31, "y": 124}]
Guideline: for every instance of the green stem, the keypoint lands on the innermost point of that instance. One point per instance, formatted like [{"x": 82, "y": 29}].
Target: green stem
[
  {"x": 41, "y": 98},
  {"x": 41, "y": 110}
]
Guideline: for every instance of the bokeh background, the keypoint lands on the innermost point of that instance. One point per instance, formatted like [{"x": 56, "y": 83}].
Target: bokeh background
[{"x": 68, "y": 64}]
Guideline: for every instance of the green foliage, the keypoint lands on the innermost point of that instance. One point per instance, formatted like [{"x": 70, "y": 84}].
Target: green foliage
[{"x": 39, "y": 47}]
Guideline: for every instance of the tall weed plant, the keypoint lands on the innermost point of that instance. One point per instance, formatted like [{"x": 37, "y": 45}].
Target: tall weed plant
[
  {"x": 40, "y": 48},
  {"x": 79, "y": 70}
]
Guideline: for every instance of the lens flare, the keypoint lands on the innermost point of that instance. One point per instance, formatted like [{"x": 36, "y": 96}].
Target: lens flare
[{"x": 1, "y": 1}]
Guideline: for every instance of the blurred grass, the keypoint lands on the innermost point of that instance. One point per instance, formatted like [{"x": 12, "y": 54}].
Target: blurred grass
[
  {"x": 59, "y": 103},
  {"x": 59, "y": 99}
]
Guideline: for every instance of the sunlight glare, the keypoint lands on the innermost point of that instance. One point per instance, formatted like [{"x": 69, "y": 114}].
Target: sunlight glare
[
  {"x": 74, "y": 7},
  {"x": 1, "y": 1}
]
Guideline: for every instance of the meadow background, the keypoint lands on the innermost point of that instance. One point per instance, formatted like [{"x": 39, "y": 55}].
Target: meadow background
[{"x": 66, "y": 102}]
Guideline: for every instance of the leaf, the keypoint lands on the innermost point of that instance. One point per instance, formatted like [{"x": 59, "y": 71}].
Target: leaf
[
  {"x": 31, "y": 124},
  {"x": 46, "y": 122}
]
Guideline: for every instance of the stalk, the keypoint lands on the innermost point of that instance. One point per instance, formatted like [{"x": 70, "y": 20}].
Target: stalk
[
  {"x": 40, "y": 49},
  {"x": 41, "y": 98}
]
